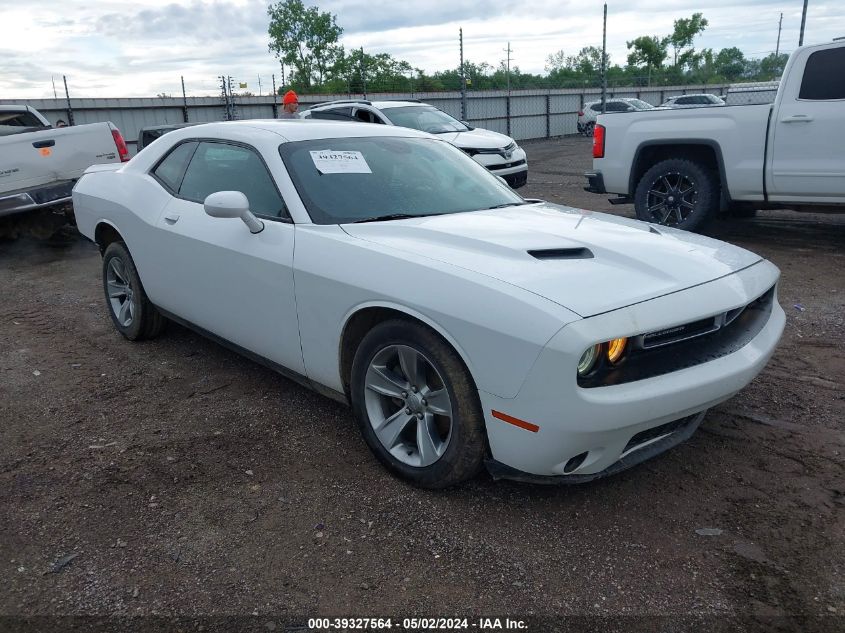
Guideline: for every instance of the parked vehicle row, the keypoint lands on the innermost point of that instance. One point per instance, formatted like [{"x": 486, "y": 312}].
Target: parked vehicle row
[{"x": 681, "y": 167}]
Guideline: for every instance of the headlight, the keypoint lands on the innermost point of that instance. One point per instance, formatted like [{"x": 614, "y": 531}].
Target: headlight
[
  {"x": 616, "y": 349},
  {"x": 588, "y": 360}
]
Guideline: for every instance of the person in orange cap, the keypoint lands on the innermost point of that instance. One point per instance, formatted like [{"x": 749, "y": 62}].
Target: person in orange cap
[{"x": 290, "y": 104}]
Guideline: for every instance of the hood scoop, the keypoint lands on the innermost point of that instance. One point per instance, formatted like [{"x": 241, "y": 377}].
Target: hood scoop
[{"x": 562, "y": 253}]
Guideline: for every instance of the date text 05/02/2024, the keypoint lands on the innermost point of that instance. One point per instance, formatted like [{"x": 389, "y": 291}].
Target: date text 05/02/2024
[{"x": 417, "y": 624}]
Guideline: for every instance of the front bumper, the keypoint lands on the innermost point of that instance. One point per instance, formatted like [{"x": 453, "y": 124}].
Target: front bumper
[
  {"x": 595, "y": 182},
  {"x": 22, "y": 201},
  {"x": 666, "y": 436},
  {"x": 598, "y": 425}
]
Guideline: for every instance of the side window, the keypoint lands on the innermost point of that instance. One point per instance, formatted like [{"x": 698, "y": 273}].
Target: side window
[
  {"x": 596, "y": 107},
  {"x": 824, "y": 76},
  {"x": 169, "y": 172},
  {"x": 683, "y": 101},
  {"x": 224, "y": 167},
  {"x": 335, "y": 114}
]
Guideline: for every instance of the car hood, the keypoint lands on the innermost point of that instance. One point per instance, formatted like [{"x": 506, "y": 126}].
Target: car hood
[
  {"x": 585, "y": 261},
  {"x": 477, "y": 139}
]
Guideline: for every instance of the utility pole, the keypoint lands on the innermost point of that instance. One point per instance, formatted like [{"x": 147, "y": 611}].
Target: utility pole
[
  {"x": 364, "y": 72},
  {"x": 53, "y": 79},
  {"x": 604, "y": 63},
  {"x": 274, "y": 84},
  {"x": 259, "y": 85},
  {"x": 777, "y": 48},
  {"x": 803, "y": 22},
  {"x": 463, "y": 77},
  {"x": 508, "y": 99},
  {"x": 509, "y": 51}
]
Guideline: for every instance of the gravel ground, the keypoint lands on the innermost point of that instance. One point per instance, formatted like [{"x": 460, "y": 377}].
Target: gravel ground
[{"x": 189, "y": 482}]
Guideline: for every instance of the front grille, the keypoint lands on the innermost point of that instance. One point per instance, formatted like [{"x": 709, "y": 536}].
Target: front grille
[
  {"x": 687, "y": 345},
  {"x": 515, "y": 163}
]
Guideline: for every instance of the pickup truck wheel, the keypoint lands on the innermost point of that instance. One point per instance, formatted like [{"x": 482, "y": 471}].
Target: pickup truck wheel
[
  {"x": 130, "y": 309},
  {"x": 678, "y": 193},
  {"x": 416, "y": 405}
]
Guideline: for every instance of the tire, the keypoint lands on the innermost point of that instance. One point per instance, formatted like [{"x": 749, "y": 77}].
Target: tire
[
  {"x": 404, "y": 430},
  {"x": 589, "y": 128},
  {"x": 131, "y": 311},
  {"x": 692, "y": 188}
]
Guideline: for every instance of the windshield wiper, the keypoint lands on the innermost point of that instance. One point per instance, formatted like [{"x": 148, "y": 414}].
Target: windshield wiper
[
  {"x": 391, "y": 216},
  {"x": 508, "y": 204}
]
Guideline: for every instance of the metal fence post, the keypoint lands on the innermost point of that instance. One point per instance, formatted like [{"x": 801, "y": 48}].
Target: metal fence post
[
  {"x": 549, "y": 114},
  {"x": 69, "y": 107},
  {"x": 184, "y": 102},
  {"x": 508, "y": 113}
]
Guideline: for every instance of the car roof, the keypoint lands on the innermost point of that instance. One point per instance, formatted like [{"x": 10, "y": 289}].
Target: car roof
[
  {"x": 382, "y": 105},
  {"x": 623, "y": 99},
  {"x": 297, "y": 129}
]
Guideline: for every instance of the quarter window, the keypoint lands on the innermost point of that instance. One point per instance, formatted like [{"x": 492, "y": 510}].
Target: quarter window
[
  {"x": 335, "y": 114},
  {"x": 170, "y": 171},
  {"x": 824, "y": 76},
  {"x": 224, "y": 167}
]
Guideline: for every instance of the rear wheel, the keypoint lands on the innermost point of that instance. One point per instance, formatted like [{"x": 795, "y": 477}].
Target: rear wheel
[
  {"x": 131, "y": 311},
  {"x": 589, "y": 128},
  {"x": 678, "y": 193},
  {"x": 416, "y": 405}
]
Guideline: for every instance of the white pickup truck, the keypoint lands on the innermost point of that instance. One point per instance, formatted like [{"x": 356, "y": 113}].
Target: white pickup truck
[
  {"x": 681, "y": 167},
  {"x": 39, "y": 164}
]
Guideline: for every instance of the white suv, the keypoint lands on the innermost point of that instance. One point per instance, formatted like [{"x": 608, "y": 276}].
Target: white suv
[
  {"x": 692, "y": 101},
  {"x": 497, "y": 152},
  {"x": 587, "y": 116}
]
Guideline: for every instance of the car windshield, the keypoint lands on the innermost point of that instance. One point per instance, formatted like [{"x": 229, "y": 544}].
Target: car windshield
[
  {"x": 424, "y": 118},
  {"x": 344, "y": 180},
  {"x": 640, "y": 105}
]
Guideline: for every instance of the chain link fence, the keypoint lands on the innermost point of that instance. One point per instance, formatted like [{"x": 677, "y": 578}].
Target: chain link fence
[{"x": 520, "y": 113}]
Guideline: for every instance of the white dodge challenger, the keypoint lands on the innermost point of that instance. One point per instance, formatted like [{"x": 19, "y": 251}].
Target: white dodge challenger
[{"x": 465, "y": 325}]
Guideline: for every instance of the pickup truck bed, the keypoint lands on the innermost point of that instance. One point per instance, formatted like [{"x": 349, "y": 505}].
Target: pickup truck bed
[{"x": 38, "y": 168}]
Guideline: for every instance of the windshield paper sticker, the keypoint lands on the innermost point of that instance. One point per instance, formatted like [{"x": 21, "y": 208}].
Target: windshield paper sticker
[{"x": 330, "y": 161}]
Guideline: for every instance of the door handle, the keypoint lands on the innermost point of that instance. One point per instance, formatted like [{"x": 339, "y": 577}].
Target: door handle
[
  {"x": 40, "y": 144},
  {"x": 171, "y": 218},
  {"x": 797, "y": 118}
]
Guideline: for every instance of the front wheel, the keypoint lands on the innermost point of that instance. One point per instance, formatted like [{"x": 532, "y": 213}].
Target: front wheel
[
  {"x": 679, "y": 193},
  {"x": 416, "y": 405},
  {"x": 130, "y": 309}
]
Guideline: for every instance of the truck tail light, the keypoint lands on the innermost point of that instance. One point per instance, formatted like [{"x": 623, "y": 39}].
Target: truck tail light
[
  {"x": 598, "y": 141},
  {"x": 122, "y": 150}
]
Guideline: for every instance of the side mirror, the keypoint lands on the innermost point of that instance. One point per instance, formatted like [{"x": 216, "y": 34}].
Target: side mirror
[
  {"x": 468, "y": 126},
  {"x": 232, "y": 204},
  {"x": 504, "y": 182}
]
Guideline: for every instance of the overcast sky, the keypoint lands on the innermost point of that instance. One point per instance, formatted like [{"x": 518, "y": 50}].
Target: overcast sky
[{"x": 111, "y": 48}]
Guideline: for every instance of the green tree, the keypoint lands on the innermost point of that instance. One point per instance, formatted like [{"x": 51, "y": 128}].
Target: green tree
[
  {"x": 730, "y": 63},
  {"x": 771, "y": 66},
  {"x": 305, "y": 38},
  {"x": 587, "y": 61},
  {"x": 682, "y": 37},
  {"x": 647, "y": 51}
]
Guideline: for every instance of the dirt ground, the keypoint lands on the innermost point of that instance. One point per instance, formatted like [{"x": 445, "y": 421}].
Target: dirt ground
[{"x": 189, "y": 482}]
